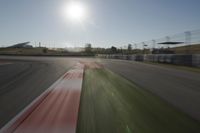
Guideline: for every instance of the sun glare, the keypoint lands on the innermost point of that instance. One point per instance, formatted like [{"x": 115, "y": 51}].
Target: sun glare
[{"x": 75, "y": 11}]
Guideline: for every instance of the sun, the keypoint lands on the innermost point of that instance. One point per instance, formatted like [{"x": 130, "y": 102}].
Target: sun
[{"x": 75, "y": 11}]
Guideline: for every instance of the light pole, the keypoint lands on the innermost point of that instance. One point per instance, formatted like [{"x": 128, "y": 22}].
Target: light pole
[
  {"x": 188, "y": 40},
  {"x": 144, "y": 45}
]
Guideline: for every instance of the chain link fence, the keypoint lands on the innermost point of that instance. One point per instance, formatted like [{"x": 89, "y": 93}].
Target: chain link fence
[{"x": 177, "y": 40}]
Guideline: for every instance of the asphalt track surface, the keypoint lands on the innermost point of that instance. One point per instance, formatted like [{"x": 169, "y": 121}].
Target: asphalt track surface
[
  {"x": 180, "y": 88},
  {"x": 27, "y": 77}
]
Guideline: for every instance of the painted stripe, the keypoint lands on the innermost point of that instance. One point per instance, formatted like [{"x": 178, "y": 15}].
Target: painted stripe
[
  {"x": 5, "y": 63},
  {"x": 55, "y": 111}
]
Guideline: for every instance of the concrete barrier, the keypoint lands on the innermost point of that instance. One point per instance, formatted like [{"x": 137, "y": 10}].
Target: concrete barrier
[
  {"x": 196, "y": 60},
  {"x": 182, "y": 60}
]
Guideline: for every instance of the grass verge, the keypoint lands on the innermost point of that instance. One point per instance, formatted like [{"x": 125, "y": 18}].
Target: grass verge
[
  {"x": 187, "y": 68},
  {"x": 112, "y": 104}
]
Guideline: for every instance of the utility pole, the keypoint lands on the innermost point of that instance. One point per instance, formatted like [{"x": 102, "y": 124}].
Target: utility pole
[
  {"x": 188, "y": 41},
  {"x": 154, "y": 44},
  {"x": 144, "y": 45},
  {"x": 167, "y": 40}
]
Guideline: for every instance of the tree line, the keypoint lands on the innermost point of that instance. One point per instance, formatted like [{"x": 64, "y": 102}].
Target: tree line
[{"x": 112, "y": 50}]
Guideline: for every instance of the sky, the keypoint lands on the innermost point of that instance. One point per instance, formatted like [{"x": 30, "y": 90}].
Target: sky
[{"x": 107, "y": 22}]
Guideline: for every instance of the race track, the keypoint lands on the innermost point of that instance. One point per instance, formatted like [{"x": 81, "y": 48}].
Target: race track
[
  {"x": 22, "y": 79},
  {"x": 180, "y": 88}
]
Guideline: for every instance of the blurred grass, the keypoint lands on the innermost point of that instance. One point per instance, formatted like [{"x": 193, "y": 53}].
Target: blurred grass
[
  {"x": 187, "y": 68},
  {"x": 189, "y": 49},
  {"x": 19, "y": 51},
  {"x": 42, "y": 51},
  {"x": 112, "y": 104}
]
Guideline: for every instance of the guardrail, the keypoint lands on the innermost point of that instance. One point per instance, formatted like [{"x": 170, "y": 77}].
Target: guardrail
[{"x": 177, "y": 59}]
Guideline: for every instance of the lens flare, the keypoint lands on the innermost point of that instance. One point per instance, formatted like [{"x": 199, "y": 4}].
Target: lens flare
[{"x": 75, "y": 11}]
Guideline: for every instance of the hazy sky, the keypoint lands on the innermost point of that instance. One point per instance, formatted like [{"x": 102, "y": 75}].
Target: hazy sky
[{"x": 107, "y": 22}]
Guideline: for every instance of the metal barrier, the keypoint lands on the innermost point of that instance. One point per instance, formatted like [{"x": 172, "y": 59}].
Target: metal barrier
[{"x": 177, "y": 59}]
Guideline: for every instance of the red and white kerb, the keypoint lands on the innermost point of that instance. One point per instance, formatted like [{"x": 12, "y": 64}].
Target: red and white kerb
[{"x": 55, "y": 111}]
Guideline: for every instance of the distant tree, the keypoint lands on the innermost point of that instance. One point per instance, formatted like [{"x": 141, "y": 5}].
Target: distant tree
[
  {"x": 113, "y": 50},
  {"x": 44, "y": 50},
  {"x": 88, "y": 48},
  {"x": 129, "y": 48}
]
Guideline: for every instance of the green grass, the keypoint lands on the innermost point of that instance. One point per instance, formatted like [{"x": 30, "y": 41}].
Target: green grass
[
  {"x": 112, "y": 104},
  {"x": 21, "y": 51},
  {"x": 189, "y": 49}
]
